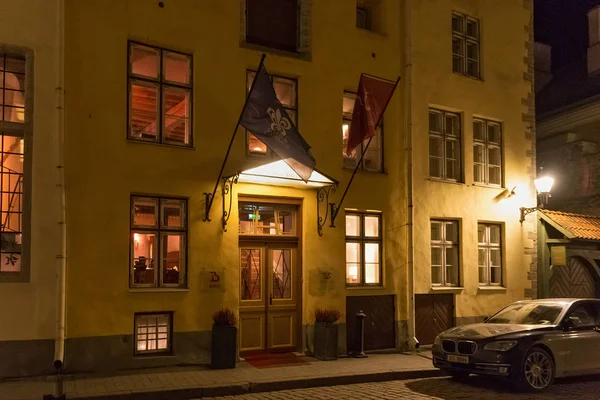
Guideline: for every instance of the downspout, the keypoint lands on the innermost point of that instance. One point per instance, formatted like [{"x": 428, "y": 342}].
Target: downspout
[
  {"x": 61, "y": 257},
  {"x": 412, "y": 341}
]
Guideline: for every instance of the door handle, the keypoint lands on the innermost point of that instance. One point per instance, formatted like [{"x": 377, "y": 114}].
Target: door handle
[{"x": 271, "y": 299}]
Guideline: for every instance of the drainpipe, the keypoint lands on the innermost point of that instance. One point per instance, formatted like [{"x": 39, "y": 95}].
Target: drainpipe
[
  {"x": 412, "y": 341},
  {"x": 61, "y": 257}
]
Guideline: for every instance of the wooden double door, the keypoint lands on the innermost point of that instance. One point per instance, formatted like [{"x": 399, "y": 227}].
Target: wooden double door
[
  {"x": 269, "y": 297},
  {"x": 572, "y": 280},
  {"x": 434, "y": 313}
]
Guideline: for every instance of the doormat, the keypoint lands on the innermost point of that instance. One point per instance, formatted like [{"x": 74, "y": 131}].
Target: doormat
[{"x": 275, "y": 360}]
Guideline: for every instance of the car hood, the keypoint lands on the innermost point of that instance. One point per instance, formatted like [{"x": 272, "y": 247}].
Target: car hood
[{"x": 483, "y": 331}]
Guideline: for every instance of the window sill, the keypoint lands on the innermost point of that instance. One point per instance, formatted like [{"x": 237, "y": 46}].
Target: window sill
[
  {"x": 367, "y": 287},
  {"x": 491, "y": 289},
  {"x": 372, "y": 32},
  {"x": 146, "y": 356},
  {"x": 265, "y": 49},
  {"x": 365, "y": 171},
  {"x": 446, "y": 181},
  {"x": 478, "y": 79},
  {"x": 158, "y": 290},
  {"x": 483, "y": 185},
  {"x": 447, "y": 288},
  {"x": 171, "y": 146}
]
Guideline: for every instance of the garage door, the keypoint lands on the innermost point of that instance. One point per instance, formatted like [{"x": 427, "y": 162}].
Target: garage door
[
  {"x": 434, "y": 313},
  {"x": 572, "y": 280},
  {"x": 380, "y": 325}
]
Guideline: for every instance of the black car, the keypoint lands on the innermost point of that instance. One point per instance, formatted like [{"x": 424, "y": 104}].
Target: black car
[{"x": 527, "y": 342}]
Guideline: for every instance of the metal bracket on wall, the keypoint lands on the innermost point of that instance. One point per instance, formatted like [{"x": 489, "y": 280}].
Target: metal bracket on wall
[
  {"x": 228, "y": 190},
  {"x": 323, "y": 194},
  {"x": 525, "y": 211}
]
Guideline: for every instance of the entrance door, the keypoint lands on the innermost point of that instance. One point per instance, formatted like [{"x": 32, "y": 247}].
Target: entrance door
[
  {"x": 573, "y": 280},
  {"x": 434, "y": 313},
  {"x": 268, "y": 298}
]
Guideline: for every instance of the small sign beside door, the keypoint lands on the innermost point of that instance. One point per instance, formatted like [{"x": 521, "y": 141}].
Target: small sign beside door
[
  {"x": 214, "y": 278},
  {"x": 558, "y": 255}
]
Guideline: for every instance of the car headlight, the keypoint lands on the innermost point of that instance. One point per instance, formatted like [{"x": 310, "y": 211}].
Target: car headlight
[
  {"x": 438, "y": 340},
  {"x": 503, "y": 345}
]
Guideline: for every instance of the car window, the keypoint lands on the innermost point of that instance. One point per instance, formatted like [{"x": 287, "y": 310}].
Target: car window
[
  {"x": 585, "y": 315},
  {"x": 528, "y": 313}
]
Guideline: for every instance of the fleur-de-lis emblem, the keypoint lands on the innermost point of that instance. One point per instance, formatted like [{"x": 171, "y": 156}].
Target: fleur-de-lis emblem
[{"x": 279, "y": 124}]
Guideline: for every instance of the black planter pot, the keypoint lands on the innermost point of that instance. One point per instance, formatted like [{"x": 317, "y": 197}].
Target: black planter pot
[
  {"x": 223, "y": 349},
  {"x": 326, "y": 341}
]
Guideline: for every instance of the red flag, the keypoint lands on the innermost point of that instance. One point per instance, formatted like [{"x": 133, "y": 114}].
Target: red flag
[{"x": 371, "y": 100}]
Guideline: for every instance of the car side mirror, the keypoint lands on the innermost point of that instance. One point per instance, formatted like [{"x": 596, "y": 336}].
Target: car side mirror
[{"x": 572, "y": 322}]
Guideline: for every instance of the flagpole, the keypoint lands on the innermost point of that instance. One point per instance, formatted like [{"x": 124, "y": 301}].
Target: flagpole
[
  {"x": 335, "y": 210},
  {"x": 211, "y": 197}
]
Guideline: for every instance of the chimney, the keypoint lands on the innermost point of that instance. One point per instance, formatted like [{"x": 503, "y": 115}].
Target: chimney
[
  {"x": 593, "y": 51},
  {"x": 543, "y": 64}
]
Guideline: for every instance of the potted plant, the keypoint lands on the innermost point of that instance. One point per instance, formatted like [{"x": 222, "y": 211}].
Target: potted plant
[
  {"x": 326, "y": 333},
  {"x": 223, "y": 351}
]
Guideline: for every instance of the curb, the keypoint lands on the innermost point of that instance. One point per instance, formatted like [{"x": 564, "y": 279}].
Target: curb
[{"x": 261, "y": 387}]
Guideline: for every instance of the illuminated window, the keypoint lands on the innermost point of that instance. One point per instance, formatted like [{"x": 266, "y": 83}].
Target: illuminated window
[
  {"x": 465, "y": 45},
  {"x": 490, "y": 254},
  {"x": 286, "y": 91},
  {"x": 267, "y": 219},
  {"x": 153, "y": 333},
  {"x": 158, "y": 242},
  {"x": 160, "y": 95},
  {"x": 487, "y": 152},
  {"x": 363, "y": 249},
  {"x": 444, "y": 253},
  {"x": 444, "y": 145},
  {"x": 373, "y": 159},
  {"x": 15, "y": 137}
]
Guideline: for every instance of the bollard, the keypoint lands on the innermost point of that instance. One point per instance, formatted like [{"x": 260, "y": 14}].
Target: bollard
[{"x": 360, "y": 336}]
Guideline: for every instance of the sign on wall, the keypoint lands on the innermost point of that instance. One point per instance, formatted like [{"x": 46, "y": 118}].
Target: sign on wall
[{"x": 558, "y": 255}]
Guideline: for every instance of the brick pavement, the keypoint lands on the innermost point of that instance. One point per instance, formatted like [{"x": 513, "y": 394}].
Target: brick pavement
[
  {"x": 190, "y": 382},
  {"x": 476, "y": 388}
]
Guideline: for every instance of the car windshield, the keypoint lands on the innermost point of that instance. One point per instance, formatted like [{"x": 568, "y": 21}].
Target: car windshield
[{"x": 528, "y": 314}]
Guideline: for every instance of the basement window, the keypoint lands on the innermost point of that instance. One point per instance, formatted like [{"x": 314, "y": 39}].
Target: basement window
[{"x": 153, "y": 333}]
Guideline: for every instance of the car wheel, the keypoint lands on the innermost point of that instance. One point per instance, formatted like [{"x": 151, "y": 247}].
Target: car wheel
[
  {"x": 537, "y": 373},
  {"x": 459, "y": 375}
]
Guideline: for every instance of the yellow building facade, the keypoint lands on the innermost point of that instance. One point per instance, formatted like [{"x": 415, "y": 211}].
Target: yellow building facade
[{"x": 153, "y": 91}]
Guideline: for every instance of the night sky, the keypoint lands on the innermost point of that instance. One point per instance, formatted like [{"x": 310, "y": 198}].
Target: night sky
[{"x": 563, "y": 25}]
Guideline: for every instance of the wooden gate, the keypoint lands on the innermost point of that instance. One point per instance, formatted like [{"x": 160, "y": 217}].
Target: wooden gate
[
  {"x": 572, "y": 280},
  {"x": 380, "y": 325},
  {"x": 434, "y": 313}
]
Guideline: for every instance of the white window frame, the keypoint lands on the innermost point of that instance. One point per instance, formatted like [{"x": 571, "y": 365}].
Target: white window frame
[
  {"x": 486, "y": 145},
  {"x": 462, "y": 36},
  {"x": 443, "y": 244},
  {"x": 363, "y": 240},
  {"x": 488, "y": 247},
  {"x": 144, "y": 324},
  {"x": 445, "y": 137}
]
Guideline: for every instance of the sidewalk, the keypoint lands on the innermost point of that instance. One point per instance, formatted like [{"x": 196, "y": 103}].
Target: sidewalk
[{"x": 196, "y": 382}]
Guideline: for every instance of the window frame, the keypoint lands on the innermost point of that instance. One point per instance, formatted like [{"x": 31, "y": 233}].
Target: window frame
[
  {"x": 347, "y": 117},
  {"x": 443, "y": 244},
  {"x": 488, "y": 246},
  {"x": 367, "y": 18},
  {"x": 465, "y": 40},
  {"x": 170, "y": 335},
  {"x": 487, "y": 145},
  {"x": 445, "y": 138},
  {"x": 23, "y": 130},
  {"x": 159, "y": 231},
  {"x": 269, "y": 154},
  {"x": 160, "y": 83},
  {"x": 362, "y": 240}
]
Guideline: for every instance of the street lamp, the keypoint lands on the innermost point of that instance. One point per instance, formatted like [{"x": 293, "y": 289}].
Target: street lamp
[{"x": 543, "y": 186}]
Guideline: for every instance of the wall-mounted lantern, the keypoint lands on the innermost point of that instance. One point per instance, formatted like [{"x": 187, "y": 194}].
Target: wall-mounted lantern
[{"x": 543, "y": 186}]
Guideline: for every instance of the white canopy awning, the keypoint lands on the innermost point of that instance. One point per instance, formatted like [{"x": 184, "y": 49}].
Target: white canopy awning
[{"x": 278, "y": 173}]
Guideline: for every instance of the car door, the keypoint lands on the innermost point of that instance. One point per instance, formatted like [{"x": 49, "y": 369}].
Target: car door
[{"x": 583, "y": 339}]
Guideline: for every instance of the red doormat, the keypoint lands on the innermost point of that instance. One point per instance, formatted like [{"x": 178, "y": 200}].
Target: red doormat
[{"x": 275, "y": 360}]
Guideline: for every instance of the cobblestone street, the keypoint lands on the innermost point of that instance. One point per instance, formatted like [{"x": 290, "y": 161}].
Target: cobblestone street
[{"x": 476, "y": 388}]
